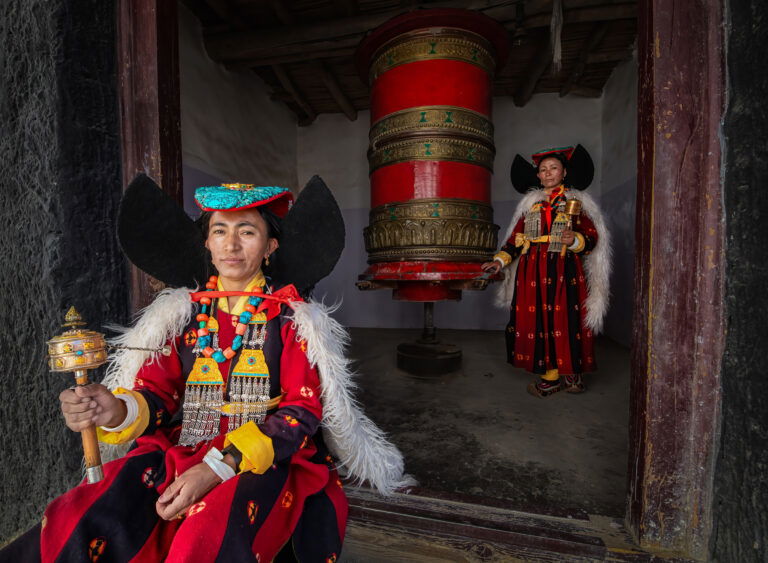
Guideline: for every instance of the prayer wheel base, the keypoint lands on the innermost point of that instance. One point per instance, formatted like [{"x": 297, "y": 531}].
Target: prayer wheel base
[
  {"x": 428, "y": 359},
  {"x": 425, "y": 281}
]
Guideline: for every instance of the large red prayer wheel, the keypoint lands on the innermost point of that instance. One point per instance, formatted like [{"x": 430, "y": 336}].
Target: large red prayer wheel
[{"x": 431, "y": 152}]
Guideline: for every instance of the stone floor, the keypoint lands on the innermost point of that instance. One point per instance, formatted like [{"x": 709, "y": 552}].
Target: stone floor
[{"x": 477, "y": 432}]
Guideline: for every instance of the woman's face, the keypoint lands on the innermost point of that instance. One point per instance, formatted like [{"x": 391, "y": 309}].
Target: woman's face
[
  {"x": 551, "y": 173},
  {"x": 238, "y": 241}
]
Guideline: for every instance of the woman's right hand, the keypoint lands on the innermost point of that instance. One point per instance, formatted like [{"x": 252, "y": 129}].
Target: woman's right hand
[
  {"x": 492, "y": 267},
  {"x": 89, "y": 405}
]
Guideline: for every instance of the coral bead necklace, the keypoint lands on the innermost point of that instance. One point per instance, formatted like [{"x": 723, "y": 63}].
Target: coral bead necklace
[{"x": 204, "y": 336}]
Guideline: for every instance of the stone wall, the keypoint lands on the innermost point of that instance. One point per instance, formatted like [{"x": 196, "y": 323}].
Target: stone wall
[
  {"x": 59, "y": 191},
  {"x": 740, "y": 530}
]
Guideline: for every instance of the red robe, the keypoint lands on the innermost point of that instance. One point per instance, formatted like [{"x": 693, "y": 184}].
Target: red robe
[
  {"x": 250, "y": 517},
  {"x": 546, "y": 327}
]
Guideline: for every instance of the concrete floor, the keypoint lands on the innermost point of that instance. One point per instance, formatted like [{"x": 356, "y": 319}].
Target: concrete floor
[{"x": 477, "y": 432}]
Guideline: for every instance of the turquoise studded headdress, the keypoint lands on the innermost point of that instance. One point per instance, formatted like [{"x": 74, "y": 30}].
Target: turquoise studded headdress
[{"x": 232, "y": 197}]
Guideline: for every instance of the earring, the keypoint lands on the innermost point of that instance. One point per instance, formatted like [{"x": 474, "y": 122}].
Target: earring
[{"x": 266, "y": 259}]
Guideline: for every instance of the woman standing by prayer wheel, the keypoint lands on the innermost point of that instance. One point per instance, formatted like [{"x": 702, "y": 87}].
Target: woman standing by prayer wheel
[{"x": 558, "y": 255}]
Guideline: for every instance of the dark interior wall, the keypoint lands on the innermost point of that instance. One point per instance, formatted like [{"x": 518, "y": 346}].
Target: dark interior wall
[
  {"x": 741, "y": 486},
  {"x": 59, "y": 191}
]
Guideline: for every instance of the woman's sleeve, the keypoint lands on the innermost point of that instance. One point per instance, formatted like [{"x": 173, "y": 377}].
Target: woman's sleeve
[
  {"x": 297, "y": 418},
  {"x": 509, "y": 251},
  {"x": 586, "y": 235},
  {"x": 157, "y": 392}
]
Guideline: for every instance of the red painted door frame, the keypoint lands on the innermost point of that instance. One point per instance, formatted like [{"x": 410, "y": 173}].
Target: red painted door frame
[
  {"x": 678, "y": 310},
  {"x": 678, "y": 326},
  {"x": 150, "y": 120}
]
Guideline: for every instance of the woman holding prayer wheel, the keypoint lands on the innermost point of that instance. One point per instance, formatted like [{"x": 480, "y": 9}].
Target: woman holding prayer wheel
[
  {"x": 229, "y": 461},
  {"x": 558, "y": 255}
]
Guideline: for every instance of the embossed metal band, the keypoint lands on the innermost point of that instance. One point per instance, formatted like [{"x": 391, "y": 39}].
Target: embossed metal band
[
  {"x": 432, "y": 119},
  {"x": 431, "y": 229},
  {"x": 425, "y": 45},
  {"x": 432, "y": 148},
  {"x": 433, "y": 208}
]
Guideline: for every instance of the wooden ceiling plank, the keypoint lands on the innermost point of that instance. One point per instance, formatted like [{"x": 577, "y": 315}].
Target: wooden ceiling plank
[
  {"x": 345, "y": 7},
  {"x": 228, "y": 13},
  {"x": 342, "y": 52},
  {"x": 336, "y": 91},
  {"x": 283, "y": 14},
  {"x": 262, "y": 42},
  {"x": 594, "y": 39},
  {"x": 610, "y": 12},
  {"x": 287, "y": 84},
  {"x": 609, "y": 57},
  {"x": 541, "y": 61}
]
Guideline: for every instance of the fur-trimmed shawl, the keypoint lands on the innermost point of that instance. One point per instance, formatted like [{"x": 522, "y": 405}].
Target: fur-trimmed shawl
[
  {"x": 597, "y": 264},
  {"x": 361, "y": 448}
]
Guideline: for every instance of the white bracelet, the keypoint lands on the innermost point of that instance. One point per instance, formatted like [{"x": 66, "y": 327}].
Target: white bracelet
[
  {"x": 500, "y": 261},
  {"x": 214, "y": 460},
  {"x": 132, "y": 411}
]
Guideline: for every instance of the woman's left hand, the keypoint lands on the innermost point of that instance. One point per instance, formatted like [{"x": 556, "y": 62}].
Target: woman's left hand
[
  {"x": 567, "y": 237},
  {"x": 186, "y": 489}
]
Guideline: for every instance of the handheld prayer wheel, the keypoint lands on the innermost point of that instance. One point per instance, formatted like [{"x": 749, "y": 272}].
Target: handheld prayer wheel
[
  {"x": 77, "y": 350},
  {"x": 431, "y": 152}
]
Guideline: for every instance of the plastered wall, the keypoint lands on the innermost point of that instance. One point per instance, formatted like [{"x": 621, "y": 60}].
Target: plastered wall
[
  {"x": 619, "y": 187},
  {"x": 230, "y": 129}
]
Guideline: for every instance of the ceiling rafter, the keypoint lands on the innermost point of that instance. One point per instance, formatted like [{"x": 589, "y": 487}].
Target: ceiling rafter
[
  {"x": 305, "y": 49},
  {"x": 593, "y": 40}
]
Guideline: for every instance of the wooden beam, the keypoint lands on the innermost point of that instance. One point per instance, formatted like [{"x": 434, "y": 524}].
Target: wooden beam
[
  {"x": 336, "y": 91},
  {"x": 624, "y": 11},
  {"x": 226, "y": 12},
  {"x": 680, "y": 314},
  {"x": 283, "y": 14},
  {"x": 609, "y": 57},
  {"x": 302, "y": 56},
  {"x": 254, "y": 48},
  {"x": 267, "y": 42},
  {"x": 538, "y": 66},
  {"x": 298, "y": 97},
  {"x": 593, "y": 40},
  {"x": 150, "y": 115},
  {"x": 345, "y": 7}
]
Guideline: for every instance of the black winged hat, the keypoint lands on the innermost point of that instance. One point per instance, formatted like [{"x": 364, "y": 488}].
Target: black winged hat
[
  {"x": 581, "y": 169},
  {"x": 163, "y": 241}
]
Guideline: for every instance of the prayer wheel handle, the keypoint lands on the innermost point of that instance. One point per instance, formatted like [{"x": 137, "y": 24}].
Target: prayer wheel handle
[
  {"x": 572, "y": 209},
  {"x": 76, "y": 351}
]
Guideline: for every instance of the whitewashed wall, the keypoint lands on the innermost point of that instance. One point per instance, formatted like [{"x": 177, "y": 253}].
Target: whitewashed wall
[
  {"x": 230, "y": 130},
  {"x": 619, "y": 128},
  {"x": 335, "y": 148}
]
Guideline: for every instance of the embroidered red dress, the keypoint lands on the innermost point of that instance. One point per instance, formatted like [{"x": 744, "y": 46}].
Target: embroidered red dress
[
  {"x": 546, "y": 329},
  {"x": 298, "y": 501}
]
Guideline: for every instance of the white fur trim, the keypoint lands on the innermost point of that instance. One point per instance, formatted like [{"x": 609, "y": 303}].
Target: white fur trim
[
  {"x": 597, "y": 264},
  {"x": 360, "y": 446}
]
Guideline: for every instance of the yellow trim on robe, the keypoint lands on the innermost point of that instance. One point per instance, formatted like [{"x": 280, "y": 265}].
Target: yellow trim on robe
[
  {"x": 581, "y": 240},
  {"x": 504, "y": 257},
  {"x": 256, "y": 447},
  {"x": 223, "y": 304},
  {"x": 134, "y": 430}
]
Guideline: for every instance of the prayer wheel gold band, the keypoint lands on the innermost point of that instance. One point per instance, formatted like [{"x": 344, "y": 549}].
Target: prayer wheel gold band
[
  {"x": 430, "y": 44},
  {"x": 435, "y": 120},
  {"x": 432, "y": 148}
]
